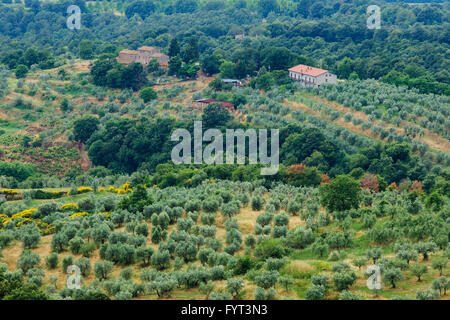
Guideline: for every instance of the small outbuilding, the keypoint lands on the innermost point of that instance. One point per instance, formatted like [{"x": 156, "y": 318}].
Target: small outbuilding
[{"x": 225, "y": 104}]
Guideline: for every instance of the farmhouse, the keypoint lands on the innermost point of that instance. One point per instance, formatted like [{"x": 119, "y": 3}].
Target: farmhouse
[
  {"x": 225, "y": 104},
  {"x": 311, "y": 76},
  {"x": 143, "y": 55}
]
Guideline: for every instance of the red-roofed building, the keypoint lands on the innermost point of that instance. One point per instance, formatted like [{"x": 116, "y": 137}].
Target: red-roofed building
[
  {"x": 311, "y": 76},
  {"x": 225, "y": 104},
  {"x": 143, "y": 55}
]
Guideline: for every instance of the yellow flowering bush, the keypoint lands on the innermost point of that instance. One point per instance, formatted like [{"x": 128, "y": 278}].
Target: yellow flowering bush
[
  {"x": 125, "y": 189},
  {"x": 9, "y": 191},
  {"x": 4, "y": 219},
  {"x": 11, "y": 194},
  {"x": 85, "y": 189},
  {"x": 79, "y": 214},
  {"x": 24, "y": 214},
  {"x": 23, "y": 218},
  {"x": 69, "y": 206}
]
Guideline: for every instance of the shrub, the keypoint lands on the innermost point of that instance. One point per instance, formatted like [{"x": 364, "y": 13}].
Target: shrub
[
  {"x": 315, "y": 292},
  {"x": 147, "y": 94},
  {"x": 257, "y": 203},
  {"x": 271, "y": 248},
  {"x": 28, "y": 260},
  {"x": 428, "y": 294},
  {"x": 85, "y": 266},
  {"x": 267, "y": 279},
  {"x": 299, "y": 237},
  {"x": 102, "y": 269},
  {"x": 30, "y": 236},
  {"x": 347, "y": 295},
  {"x": 344, "y": 279},
  {"x": 234, "y": 286},
  {"x": 66, "y": 262},
  {"x": 52, "y": 260}
]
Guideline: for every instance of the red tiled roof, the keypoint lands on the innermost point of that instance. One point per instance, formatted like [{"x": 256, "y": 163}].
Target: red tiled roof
[
  {"x": 309, "y": 71},
  {"x": 225, "y": 104},
  {"x": 127, "y": 51},
  {"x": 147, "y": 48}
]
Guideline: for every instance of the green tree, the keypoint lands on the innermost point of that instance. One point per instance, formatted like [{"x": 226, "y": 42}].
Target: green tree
[
  {"x": 441, "y": 284},
  {"x": 439, "y": 264},
  {"x": 419, "y": 270},
  {"x": 142, "y": 8},
  {"x": 147, "y": 94},
  {"x": 344, "y": 279},
  {"x": 86, "y": 49},
  {"x": 84, "y": 127},
  {"x": 341, "y": 194},
  {"x": 102, "y": 269},
  {"x": 174, "y": 48},
  {"x": 21, "y": 71},
  {"x": 391, "y": 275},
  {"x": 190, "y": 53},
  {"x": 161, "y": 260},
  {"x": 28, "y": 260},
  {"x": 175, "y": 64},
  {"x": 153, "y": 65},
  {"x": 215, "y": 115},
  {"x": 425, "y": 248},
  {"x": 315, "y": 292},
  {"x": 267, "y": 6},
  {"x": 227, "y": 69},
  {"x": 52, "y": 260},
  {"x": 211, "y": 64},
  {"x": 234, "y": 286},
  {"x": 30, "y": 236},
  {"x": 66, "y": 106},
  {"x": 185, "y": 6}
]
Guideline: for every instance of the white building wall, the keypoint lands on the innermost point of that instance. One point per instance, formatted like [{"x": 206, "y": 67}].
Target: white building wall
[{"x": 324, "y": 78}]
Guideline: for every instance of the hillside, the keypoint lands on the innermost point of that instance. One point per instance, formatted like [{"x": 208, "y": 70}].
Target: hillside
[{"x": 89, "y": 181}]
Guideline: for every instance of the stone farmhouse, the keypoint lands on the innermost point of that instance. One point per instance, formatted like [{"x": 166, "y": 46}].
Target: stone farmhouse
[
  {"x": 143, "y": 55},
  {"x": 311, "y": 76}
]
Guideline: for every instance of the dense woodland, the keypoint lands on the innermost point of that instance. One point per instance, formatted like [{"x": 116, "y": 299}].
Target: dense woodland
[
  {"x": 409, "y": 50},
  {"x": 86, "y": 176}
]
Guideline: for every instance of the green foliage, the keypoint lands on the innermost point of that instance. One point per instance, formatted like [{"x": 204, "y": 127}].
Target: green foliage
[
  {"x": 215, "y": 115},
  {"x": 83, "y": 128},
  {"x": 28, "y": 260},
  {"x": 419, "y": 270},
  {"x": 392, "y": 275},
  {"x": 52, "y": 260},
  {"x": 341, "y": 194},
  {"x": 21, "y": 71},
  {"x": 147, "y": 94},
  {"x": 234, "y": 286},
  {"x": 102, "y": 269},
  {"x": 271, "y": 248}
]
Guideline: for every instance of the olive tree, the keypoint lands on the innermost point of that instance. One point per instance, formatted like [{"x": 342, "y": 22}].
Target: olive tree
[{"x": 234, "y": 286}]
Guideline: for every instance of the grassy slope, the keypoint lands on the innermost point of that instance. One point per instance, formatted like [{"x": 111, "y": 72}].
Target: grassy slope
[{"x": 302, "y": 265}]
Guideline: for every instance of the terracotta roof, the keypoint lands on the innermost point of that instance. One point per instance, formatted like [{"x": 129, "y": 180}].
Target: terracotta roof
[
  {"x": 129, "y": 51},
  {"x": 309, "y": 71},
  {"x": 160, "y": 55},
  {"x": 146, "y": 48},
  {"x": 225, "y": 104}
]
